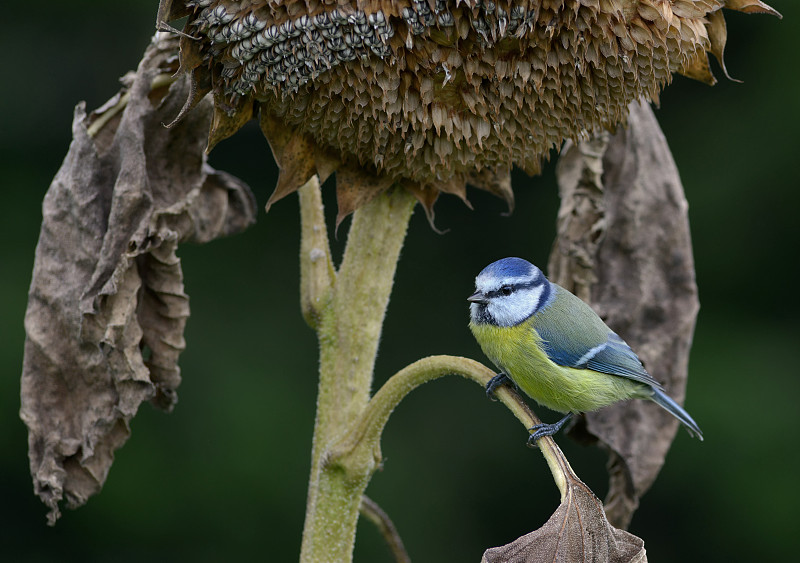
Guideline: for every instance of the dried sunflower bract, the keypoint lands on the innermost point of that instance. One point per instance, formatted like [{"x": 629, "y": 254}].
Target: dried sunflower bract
[{"x": 436, "y": 93}]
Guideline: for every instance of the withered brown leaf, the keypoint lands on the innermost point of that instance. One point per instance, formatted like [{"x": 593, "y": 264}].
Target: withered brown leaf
[
  {"x": 577, "y": 532},
  {"x": 106, "y": 308},
  {"x": 644, "y": 288}
]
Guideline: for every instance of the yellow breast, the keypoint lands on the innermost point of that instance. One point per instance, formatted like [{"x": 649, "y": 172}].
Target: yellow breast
[{"x": 517, "y": 351}]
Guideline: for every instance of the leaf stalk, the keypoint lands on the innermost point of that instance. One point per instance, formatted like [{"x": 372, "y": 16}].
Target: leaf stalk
[{"x": 363, "y": 441}]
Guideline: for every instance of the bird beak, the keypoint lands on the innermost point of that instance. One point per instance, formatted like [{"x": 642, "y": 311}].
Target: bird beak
[{"x": 477, "y": 297}]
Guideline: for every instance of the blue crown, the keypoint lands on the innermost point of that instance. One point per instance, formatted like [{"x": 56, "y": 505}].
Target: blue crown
[{"x": 509, "y": 268}]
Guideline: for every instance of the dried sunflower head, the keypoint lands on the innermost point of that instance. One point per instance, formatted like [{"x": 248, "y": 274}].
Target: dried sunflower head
[{"x": 434, "y": 94}]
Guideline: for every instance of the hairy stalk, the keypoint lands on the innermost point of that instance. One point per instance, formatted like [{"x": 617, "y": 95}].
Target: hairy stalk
[
  {"x": 317, "y": 273},
  {"x": 362, "y": 443},
  {"x": 347, "y": 313}
]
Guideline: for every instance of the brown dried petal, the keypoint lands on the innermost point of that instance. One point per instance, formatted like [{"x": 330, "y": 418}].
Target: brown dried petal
[
  {"x": 751, "y": 7},
  {"x": 697, "y": 69},
  {"x": 456, "y": 186},
  {"x": 497, "y": 182},
  {"x": 199, "y": 86},
  {"x": 276, "y": 133},
  {"x": 191, "y": 54},
  {"x": 169, "y": 10},
  {"x": 325, "y": 162},
  {"x": 294, "y": 154},
  {"x": 228, "y": 119},
  {"x": 718, "y": 35},
  {"x": 356, "y": 187},
  {"x": 427, "y": 197}
]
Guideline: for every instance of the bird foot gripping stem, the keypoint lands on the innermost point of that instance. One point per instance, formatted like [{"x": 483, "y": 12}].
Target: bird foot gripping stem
[{"x": 541, "y": 430}]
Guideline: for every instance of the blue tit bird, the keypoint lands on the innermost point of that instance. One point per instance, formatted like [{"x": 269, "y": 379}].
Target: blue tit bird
[{"x": 555, "y": 348}]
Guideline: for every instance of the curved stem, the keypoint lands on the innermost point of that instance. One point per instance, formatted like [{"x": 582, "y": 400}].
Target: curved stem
[{"x": 364, "y": 439}]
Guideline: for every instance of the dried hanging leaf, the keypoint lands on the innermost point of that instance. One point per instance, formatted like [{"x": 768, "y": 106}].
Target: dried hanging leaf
[
  {"x": 577, "y": 532},
  {"x": 644, "y": 289},
  {"x": 581, "y": 217},
  {"x": 106, "y": 308}
]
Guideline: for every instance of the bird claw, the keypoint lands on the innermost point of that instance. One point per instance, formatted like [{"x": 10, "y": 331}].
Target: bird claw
[
  {"x": 494, "y": 383},
  {"x": 539, "y": 431}
]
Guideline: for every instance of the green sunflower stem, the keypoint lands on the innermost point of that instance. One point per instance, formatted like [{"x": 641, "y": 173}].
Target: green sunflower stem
[{"x": 346, "y": 308}]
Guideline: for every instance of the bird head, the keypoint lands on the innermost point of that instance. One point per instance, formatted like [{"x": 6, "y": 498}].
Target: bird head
[{"x": 507, "y": 292}]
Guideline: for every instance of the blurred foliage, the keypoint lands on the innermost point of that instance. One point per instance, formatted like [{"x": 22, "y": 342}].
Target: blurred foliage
[{"x": 200, "y": 484}]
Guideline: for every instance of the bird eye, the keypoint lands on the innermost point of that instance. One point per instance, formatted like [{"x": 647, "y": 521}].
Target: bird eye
[{"x": 505, "y": 290}]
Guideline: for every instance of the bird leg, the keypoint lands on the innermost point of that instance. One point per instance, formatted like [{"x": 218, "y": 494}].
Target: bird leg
[
  {"x": 495, "y": 382},
  {"x": 542, "y": 430}
]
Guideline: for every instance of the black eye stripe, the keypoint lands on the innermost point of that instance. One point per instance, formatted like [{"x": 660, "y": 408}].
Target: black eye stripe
[{"x": 514, "y": 287}]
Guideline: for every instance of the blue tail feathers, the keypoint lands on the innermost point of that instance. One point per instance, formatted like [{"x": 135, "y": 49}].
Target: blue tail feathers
[{"x": 677, "y": 411}]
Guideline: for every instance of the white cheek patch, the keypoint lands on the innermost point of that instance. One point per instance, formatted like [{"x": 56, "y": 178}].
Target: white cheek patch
[{"x": 510, "y": 310}]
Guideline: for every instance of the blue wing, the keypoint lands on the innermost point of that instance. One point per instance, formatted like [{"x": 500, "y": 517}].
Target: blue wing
[
  {"x": 574, "y": 336},
  {"x": 613, "y": 356}
]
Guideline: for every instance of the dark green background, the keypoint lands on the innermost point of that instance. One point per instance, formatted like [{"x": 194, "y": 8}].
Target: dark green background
[{"x": 223, "y": 477}]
